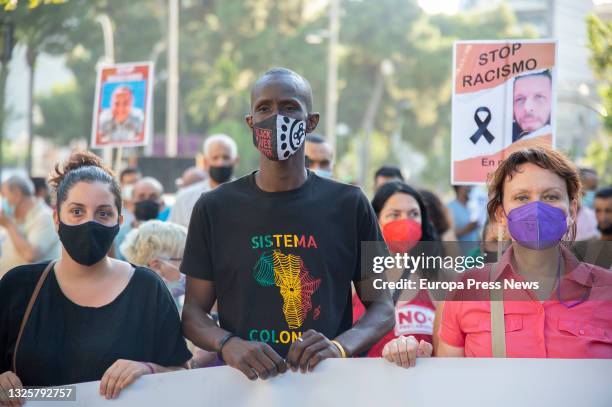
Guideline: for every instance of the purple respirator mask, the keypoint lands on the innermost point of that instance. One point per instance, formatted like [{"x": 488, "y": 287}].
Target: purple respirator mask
[{"x": 537, "y": 225}]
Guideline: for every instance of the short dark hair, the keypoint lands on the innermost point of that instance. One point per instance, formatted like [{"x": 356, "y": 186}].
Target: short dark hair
[
  {"x": 604, "y": 193},
  {"x": 389, "y": 171},
  {"x": 583, "y": 171},
  {"x": 40, "y": 183},
  {"x": 128, "y": 171},
  {"x": 457, "y": 187},
  {"x": 315, "y": 138}
]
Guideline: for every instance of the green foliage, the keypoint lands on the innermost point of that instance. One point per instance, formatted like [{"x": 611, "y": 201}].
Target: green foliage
[
  {"x": 599, "y": 157},
  {"x": 599, "y": 152},
  {"x": 61, "y": 110},
  {"x": 600, "y": 43},
  {"x": 226, "y": 45}
]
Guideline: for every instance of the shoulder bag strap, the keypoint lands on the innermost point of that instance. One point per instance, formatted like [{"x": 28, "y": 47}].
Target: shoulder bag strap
[
  {"x": 28, "y": 310},
  {"x": 498, "y": 328}
]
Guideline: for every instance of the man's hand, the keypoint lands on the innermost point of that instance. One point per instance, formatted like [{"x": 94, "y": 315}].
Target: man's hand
[
  {"x": 9, "y": 380},
  {"x": 5, "y": 221},
  {"x": 121, "y": 374},
  {"x": 254, "y": 359},
  {"x": 403, "y": 351},
  {"x": 310, "y": 349}
]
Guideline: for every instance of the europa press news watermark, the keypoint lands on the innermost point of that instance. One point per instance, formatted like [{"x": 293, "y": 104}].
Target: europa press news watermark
[{"x": 465, "y": 270}]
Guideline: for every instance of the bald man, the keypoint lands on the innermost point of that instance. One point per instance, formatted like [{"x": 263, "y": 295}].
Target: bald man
[{"x": 278, "y": 250}]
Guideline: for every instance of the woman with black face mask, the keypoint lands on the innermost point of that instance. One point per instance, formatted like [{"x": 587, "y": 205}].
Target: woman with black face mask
[{"x": 86, "y": 316}]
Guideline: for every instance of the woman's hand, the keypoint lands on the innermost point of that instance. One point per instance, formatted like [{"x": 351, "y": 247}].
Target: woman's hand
[
  {"x": 9, "y": 380},
  {"x": 403, "y": 351},
  {"x": 120, "y": 375}
]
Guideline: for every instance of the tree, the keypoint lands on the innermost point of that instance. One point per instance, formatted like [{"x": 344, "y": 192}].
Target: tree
[
  {"x": 83, "y": 48},
  {"x": 417, "y": 92},
  {"x": 42, "y": 31},
  {"x": 226, "y": 45},
  {"x": 62, "y": 114},
  {"x": 599, "y": 152}
]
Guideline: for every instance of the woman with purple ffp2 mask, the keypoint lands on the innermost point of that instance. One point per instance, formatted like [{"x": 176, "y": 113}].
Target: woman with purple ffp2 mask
[{"x": 568, "y": 313}]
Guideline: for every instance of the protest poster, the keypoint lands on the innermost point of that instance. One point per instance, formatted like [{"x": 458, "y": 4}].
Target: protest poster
[
  {"x": 504, "y": 99},
  {"x": 122, "y": 105},
  {"x": 374, "y": 382}
]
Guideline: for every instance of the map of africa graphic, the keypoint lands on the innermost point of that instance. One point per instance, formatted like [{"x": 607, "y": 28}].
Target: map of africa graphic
[{"x": 289, "y": 273}]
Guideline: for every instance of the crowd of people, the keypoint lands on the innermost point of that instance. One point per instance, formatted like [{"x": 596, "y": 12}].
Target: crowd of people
[{"x": 100, "y": 279}]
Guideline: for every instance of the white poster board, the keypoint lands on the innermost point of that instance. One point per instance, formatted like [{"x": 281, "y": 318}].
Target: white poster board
[
  {"x": 504, "y": 99},
  {"x": 374, "y": 382},
  {"x": 122, "y": 114}
]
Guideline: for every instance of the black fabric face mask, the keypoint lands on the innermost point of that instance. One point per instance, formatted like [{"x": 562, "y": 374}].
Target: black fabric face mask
[
  {"x": 490, "y": 257},
  {"x": 88, "y": 242},
  {"x": 146, "y": 210},
  {"x": 221, "y": 174},
  {"x": 606, "y": 230}
]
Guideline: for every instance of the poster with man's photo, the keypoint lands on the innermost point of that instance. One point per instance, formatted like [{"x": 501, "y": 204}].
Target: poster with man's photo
[
  {"x": 122, "y": 106},
  {"x": 504, "y": 99}
]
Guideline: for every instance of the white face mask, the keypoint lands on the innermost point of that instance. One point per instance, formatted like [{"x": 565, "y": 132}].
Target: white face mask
[
  {"x": 127, "y": 192},
  {"x": 323, "y": 173}
]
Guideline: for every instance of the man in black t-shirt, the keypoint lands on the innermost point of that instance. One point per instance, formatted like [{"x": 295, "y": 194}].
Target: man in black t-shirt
[{"x": 278, "y": 250}]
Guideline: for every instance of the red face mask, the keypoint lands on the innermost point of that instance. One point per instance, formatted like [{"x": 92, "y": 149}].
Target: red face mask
[{"x": 402, "y": 235}]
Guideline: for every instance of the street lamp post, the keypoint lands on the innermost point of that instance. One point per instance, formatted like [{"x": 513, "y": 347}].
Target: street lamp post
[
  {"x": 332, "y": 74},
  {"x": 109, "y": 58},
  {"x": 384, "y": 70},
  {"x": 172, "y": 98},
  {"x": 7, "y": 50}
]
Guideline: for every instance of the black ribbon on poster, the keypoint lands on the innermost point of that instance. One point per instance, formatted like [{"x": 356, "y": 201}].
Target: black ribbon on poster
[{"x": 482, "y": 126}]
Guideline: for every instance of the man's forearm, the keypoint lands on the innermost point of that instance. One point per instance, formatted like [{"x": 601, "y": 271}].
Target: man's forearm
[
  {"x": 201, "y": 329},
  {"x": 23, "y": 247},
  {"x": 466, "y": 229},
  {"x": 375, "y": 323}
]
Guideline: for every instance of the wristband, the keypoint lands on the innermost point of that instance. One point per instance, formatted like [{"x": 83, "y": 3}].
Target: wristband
[
  {"x": 150, "y": 367},
  {"x": 340, "y": 348},
  {"x": 222, "y": 343}
]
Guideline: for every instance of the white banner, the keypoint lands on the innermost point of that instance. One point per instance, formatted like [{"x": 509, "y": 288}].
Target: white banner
[{"x": 375, "y": 382}]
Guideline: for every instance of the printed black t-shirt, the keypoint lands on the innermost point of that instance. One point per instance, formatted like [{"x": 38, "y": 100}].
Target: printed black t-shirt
[{"x": 282, "y": 262}]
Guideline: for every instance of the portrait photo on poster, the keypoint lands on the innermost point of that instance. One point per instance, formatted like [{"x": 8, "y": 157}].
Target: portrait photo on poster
[
  {"x": 122, "y": 104},
  {"x": 122, "y": 116},
  {"x": 531, "y": 105}
]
